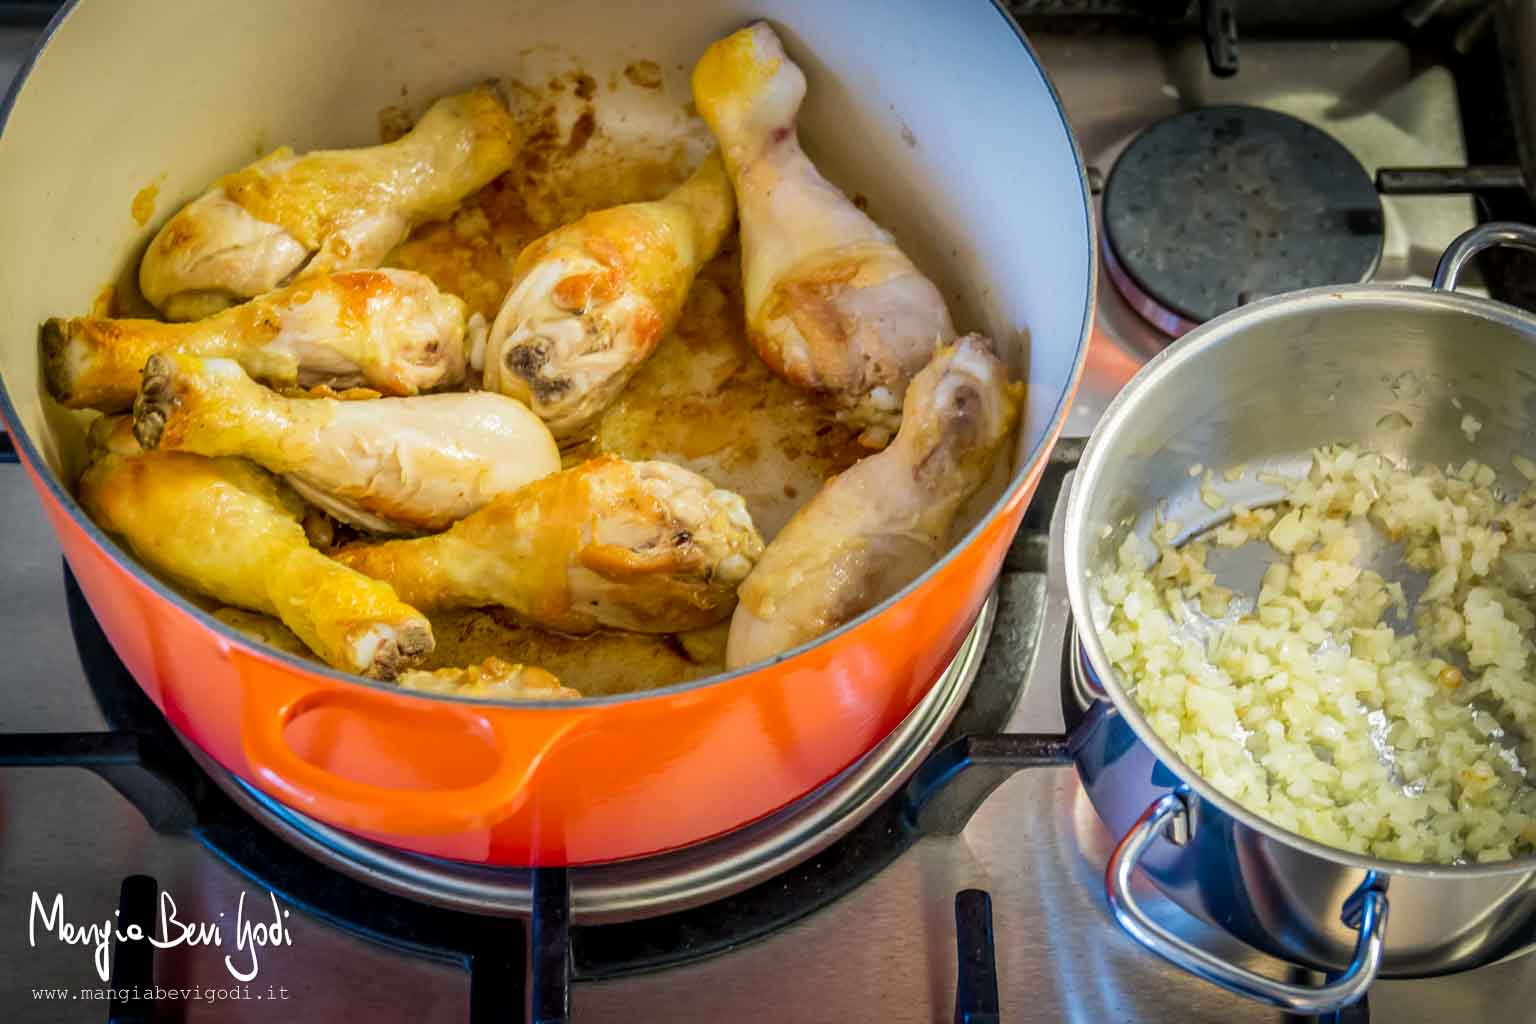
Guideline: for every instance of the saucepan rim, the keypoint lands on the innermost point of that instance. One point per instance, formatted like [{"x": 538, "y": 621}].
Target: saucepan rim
[
  {"x": 1120, "y": 418},
  {"x": 24, "y": 444}
]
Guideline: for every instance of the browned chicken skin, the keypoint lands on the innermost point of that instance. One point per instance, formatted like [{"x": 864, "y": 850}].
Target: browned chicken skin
[
  {"x": 644, "y": 546},
  {"x": 389, "y": 330},
  {"x": 390, "y": 465},
  {"x": 226, "y": 529},
  {"x": 591, "y": 301},
  {"x": 287, "y": 216}
]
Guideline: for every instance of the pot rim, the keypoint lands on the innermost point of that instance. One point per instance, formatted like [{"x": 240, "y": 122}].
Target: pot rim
[
  {"x": 24, "y": 444},
  {"x": 1120, "y": 417}
]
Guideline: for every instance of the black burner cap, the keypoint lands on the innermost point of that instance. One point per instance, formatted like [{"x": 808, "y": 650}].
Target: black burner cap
[{"x": 1208, "y": 209}]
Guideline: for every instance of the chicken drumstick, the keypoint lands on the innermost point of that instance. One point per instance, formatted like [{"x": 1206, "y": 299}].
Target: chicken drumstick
[
  {"x": 227, "y": 529},
  {"x": 644, "y": 546},
  {"x": 390, "y": 465},
  {"x": 591, "y": 301},
  {"x": 287, "y": 216},
  {"x": 390, "y": 330},
  {"x": 832, "y": 303},
  {"x": 875, "y": 527}
]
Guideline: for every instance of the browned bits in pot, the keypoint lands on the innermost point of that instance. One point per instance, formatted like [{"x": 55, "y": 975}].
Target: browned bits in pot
[
  {"x": 143, "y": 207},
  {"x": 644, "y": 73},
  {"x": 581, "y": 132},
  {"x": 394, "y": 122}
]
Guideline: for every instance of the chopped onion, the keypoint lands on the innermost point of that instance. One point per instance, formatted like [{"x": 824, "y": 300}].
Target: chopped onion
[{"x": 1311, "y": 709}]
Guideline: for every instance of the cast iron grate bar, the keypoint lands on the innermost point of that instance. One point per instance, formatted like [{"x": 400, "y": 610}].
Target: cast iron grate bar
[
  {"x": 1218, "y": 20},
  {"x": 133, "y": 961},
  {"x": 1448, "y": 181},
  {"x": 976, "y": 968},
  {"x": 549, "y": 958},
  {"x": 949, "y": 787},
  {"x": 128, "y": 762}
]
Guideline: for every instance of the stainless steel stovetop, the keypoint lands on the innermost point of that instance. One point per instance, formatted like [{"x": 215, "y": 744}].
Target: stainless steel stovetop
[{"x": 885, "y": 952}]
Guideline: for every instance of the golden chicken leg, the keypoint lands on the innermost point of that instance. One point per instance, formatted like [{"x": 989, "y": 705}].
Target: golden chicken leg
[
  {"x": 875, "y": 527},
  {"x": 390, "y": 330},
  {"x": 832, "y": 304},
  {"x": 644, "y": 546},
  {"x": 226, "y": 529},
  {"x": 590, "y": 301},
  {"x": 327, "y": 211},
  {"x": 391, "y": 465},
  {"x": 491, "y": 678}
]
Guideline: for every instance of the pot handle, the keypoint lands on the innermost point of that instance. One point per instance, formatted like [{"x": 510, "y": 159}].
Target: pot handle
[
  {"x": 272, "y": 702},
  {"x": 1365, "y": 910},
  {"x": 1469, "y": 243}
]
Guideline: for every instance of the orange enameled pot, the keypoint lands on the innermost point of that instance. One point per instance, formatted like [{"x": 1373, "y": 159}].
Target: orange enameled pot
[{"x": 938, "y": 113}]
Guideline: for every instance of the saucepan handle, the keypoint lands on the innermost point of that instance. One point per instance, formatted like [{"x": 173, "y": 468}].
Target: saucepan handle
[
  {"x": 272, "y": 702},
  {"x": 1365, "y": 910},
  {"x": 1469, "y": 243}
]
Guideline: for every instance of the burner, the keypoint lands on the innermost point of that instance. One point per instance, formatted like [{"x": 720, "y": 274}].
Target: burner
[{"x": 1212, "y": 208}]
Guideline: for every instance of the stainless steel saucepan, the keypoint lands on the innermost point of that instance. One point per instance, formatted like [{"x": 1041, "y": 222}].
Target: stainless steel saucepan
[{"x": 1262, "y": 386}]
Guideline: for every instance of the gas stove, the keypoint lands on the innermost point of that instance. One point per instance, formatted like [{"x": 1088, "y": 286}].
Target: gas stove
[{"x": 958, "y": 873}]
